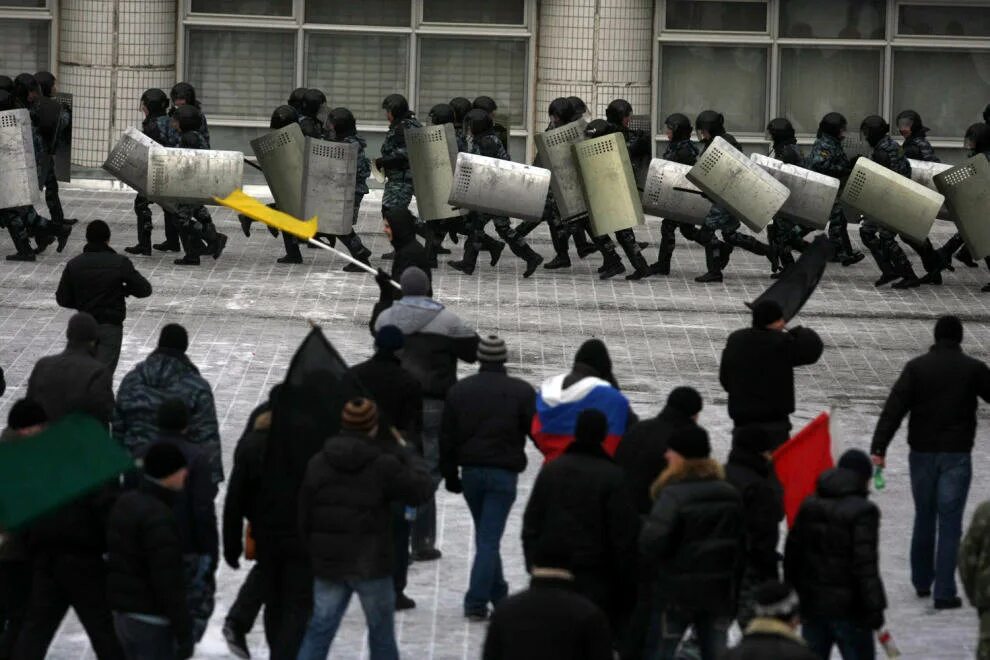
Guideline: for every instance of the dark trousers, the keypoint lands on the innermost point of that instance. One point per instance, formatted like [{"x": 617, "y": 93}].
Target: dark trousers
[
  {"x": 250, "y": 599},
  {"x": 109, "y": 339},
  {"x": 15, "y": 594},
  {"x": 400, "y": 540},
  {"x": 288, "y": 589},
  {"x": 144, "y": 641},
  {"x": 489, "y": 493},
  {"x": 61, "y": 582},
  {"x": 668, "y": 627},
  {"x": 779, "y": 431},
  {"x": 855, "y": 642},
  {"x": 51, "y": 196},
  {"x": 424, "y": 528}
]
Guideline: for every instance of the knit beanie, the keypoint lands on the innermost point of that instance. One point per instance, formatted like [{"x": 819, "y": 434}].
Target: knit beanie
[
  {"x": 766, "y": 312},
  {"x": 591, "y": 428},
  {"x": 389, "y": 339},
  {"x": 690, "y": 442},
  {"x": 414, "y": 282},
  {"x": 685, "y": 400},
  {"x": 82, "y": 329},
  {"x": 97, "y": 231},
  {"x": 25, "y": 413},
  {"x": 174, "y": 336},
  {"x": 492, "y": 349},
  {"x": 163, "y": 460},
  {"x": 753, "y": 439},
  {"x": 173, "y": 415},
  {"x": 949, "y": 328},
  {"x": 856, "y": 460},
  {"x": 359, "y": 414},
  {"x": 775, "y": 600}
]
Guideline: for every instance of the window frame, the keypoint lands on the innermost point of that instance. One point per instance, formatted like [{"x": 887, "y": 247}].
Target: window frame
[
  {"x": 47, "y": 13},
  {"x": 661, "y": 19},
  {"x": 962, "y": 41}
]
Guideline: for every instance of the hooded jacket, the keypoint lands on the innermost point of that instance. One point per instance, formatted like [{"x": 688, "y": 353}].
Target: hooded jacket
[
  {"x": 767, "y": 638},
  {"x": 641, "y": 453},
  {"x": 408, "y": 252}
]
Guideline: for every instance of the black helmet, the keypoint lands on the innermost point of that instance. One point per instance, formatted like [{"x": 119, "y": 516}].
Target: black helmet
[
  {"x": 186, "y": 92},
  {"x": 6, "y": 100},
  {"x": 978, "y": 138},
  {"x": 156, "y": 101},
  {"x": 618, "y": 110},
  {"x": 679, "y": 125},
  {"x": 832, "y": 124},
  {"x": 24, "y": 84},
  {"x": 46, "y": 81},
  {"x": 461, "y": 107},
  {"x": 597, "y": 128},
  {"x": 917, "y": 126},
  {"x": 296, "y": 98},
  {"x": 396, "y": 104},
  {"x": 874, "y": 128},
  {"x": 312, "y": 101},
  {"x": 710, "y": 121},
  {"x": 579, "y": 105},
  {"x": 441, "y": 113},
  {"x": 283, "y": 116},
  {"x": 781, "y": 131},
  {"x": 6, "y": 84},
  {"x": 478, "y": 121},
  {"x": 485, "y": 103},
  {"x": 189, "y": 118},
  {"x": 343, "y": 122},
  {"x": 562, "y": 109}
]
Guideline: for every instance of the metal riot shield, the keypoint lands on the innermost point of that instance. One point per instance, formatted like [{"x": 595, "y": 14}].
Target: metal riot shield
[
  {"x": 18, "y": 168},
  {"x": 329, "y": 178},
  {"x": 63, "y": 143},
  {"x": 280, "y": 154},
  {"x": 967, "y": 194},
  {"x": 432, "y": 155},
  {"x": 194, "y": 176},
  {"x": 640, "y": 123},
  {"x": 609, "y": 184},
  {"x": 738, "y": 184},
  {"x": 669, "y": 195},
  {"x": 812, "y": 194},
  {"x": 499, "y": 187},
  {"x": 555, "y": 153},
  {"x": 128, "y": 160},
  {"x": 892, "y": 200},
  {"x": 923, "y": 172}
]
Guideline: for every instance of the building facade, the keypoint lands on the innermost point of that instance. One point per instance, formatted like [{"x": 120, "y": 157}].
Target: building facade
[{"x": 751, "y": 59}]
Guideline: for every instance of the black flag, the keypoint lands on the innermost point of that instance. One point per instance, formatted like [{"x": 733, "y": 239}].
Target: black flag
[{"x": 800, "y": 280}]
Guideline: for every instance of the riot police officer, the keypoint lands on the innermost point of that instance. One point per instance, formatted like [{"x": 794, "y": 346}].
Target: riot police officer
[
  {"x": 200, "y": 236},
  {"x": 295, "y": 99},
  {"x": 185, "y": 94},
  {"x": 976, "y": 141},
  {"x": 680, "y": 149},
  {"x": 312, "y": 102},
  {"x": 344, "y": 129},
  {"x": 786, "y": 235},
  {"x": 158, "y": 127},
  {"x": 914, "y": 132},
  {"x": 54, "y": 119},
  {"x": 18, "y": 219}
]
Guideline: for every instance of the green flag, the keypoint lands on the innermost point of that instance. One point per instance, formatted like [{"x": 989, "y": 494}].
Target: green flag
[{"x": 42, "y": 472}]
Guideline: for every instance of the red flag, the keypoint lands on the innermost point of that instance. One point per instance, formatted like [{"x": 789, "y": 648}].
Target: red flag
[{"x": 800, "y": 460}]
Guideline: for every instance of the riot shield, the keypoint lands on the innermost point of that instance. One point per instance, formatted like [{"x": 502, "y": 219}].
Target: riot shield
[
  {"x": 640, "y": 123},
  {"x": 609, "y": 184},
  {"x": 432, "y": 155},
  {"x": 967, "y": 194},
  {"x": 669, "y": 195},
  {"x": 923, "y": 172},
  {"x": 18, "y": 167},
  {"x": 280, "y": 155},
  {"x": 499, "y": 187},
  {"x": 63, "y": 144},
  {"x": 892, "y": 200},
  {"x": 812, "y": 194},
  {"x": 193, "y": 176},
  {"x": 128, "y": 160},
  {"x": 738, "y": 184},
  {"x": 329, "y": 178},
  {"x": 555, "y": 153}
]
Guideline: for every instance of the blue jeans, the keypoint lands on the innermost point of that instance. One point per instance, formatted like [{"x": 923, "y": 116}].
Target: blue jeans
[
  {"x": 667, "y": 628},
  {"x": 854, "y": 642},
  {"x": 940, "y": 485},
  {"x": 330, "y": 600},
  {"x": 424, "y": 528},
  {"x": 490, "y": 493}
]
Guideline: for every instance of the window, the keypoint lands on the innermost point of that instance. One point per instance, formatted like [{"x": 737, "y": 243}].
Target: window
[
  {"x": 24, "y": 46},
  {"x": 731, "y": 80},
  {"x": 716, "y": 16},
  {"x": 387, "y": 13},
  {"x": 241, "y": 73},
  {"x": 505, "y": 12},
  {"x": 948, "y": 89},
  {"x": 357, "y": 71},
  {"x": 22, "y": 3},
  {"x": 851, "y": 76},
  {"x": 471, "y": 67},
  {"x": 834, "y": 19},
  {"x": 244, "y": 7},
  {"x": 944, "y": 20}
]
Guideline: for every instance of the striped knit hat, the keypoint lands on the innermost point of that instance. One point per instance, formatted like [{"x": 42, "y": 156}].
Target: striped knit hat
[
  {"x": 359, "y": 414},
  {"x": 492, "y": 349}
]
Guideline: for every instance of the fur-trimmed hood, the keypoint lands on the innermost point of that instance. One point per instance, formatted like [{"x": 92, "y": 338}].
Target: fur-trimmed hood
[
  {"x": 694, "y": 469},
  {"x": 769, "y": 626}
]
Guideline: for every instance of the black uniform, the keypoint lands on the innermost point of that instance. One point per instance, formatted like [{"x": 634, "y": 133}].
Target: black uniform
[
  {"x": 786, "y": 235},
  {"x": 680, "y": 149},
  {"x": 158, "y": 126}
]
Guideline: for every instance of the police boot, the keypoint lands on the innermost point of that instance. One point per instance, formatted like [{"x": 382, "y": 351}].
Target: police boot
[
  {"x": 612, "y": 264},
  {"x": 245, "y": 224},
  {"x": 634, "y": 253},
  {"x": 43, "y": 238},
  {"x": 846, "y": 255},
  {"x": 357, "y": 250},
  {"x": 714, "y": 254},
  {"x": 559, "y": 237},
  {"x": 143, "y": 246},
  {"x": 292, "y": 253},
  {"x": 492, "y": 246},
  {"x": 909, "y": 280},
  {"x": 469, "y": 261},
  {"x": 24, "y": 251},
  {"x": 584, "y": 248},
  {"x": 966, "y": 257},
  {"x": 527, "y": 254},
  {"x": 664, "y": 256},
  {"x": 215, "y": 241}
]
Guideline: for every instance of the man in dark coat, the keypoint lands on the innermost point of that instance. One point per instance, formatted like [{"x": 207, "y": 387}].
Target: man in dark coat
[
  {"x": 773, "y": 633},
  {"x": 833, "y": 562},
  {"x": 485, "y": 424},
  {"x": 641, "y": 454},
  {"x": 757, "y": 370},
  {"x": 97, "y": 282},
  {"x": 344, "y": 522},
  {"x": 940, "y": 390},
  {"x": 693, "y": 544},
  {"x": 74, "y": 381},
  {"x": 749, "y": 469},
  {"x": 597, "y": 520},
  {"x": 146, "y": 586},
  {"x": 400, "y": 229}
]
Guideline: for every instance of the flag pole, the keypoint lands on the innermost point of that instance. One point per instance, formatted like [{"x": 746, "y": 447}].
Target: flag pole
[{"x": 344, "y": 255}]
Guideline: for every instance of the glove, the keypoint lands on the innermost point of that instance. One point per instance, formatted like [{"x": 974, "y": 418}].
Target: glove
[
  {"x": 453, "y": 484},
  {"x": 378, "y": 164},
  {"x": 383, "y": 280},
  {"x": 233, "y": 557}
]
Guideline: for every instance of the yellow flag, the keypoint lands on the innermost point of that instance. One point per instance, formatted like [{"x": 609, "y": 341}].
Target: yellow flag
[{"x": 252, "y": 208}]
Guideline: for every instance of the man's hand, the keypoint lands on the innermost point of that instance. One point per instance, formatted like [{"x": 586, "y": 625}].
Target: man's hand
[
  {"x": 233, "y": 557},
  {"x": 383, "y": 280},
  {"x": 879, "y": 461},
  {"x": 453, "y": 483}
]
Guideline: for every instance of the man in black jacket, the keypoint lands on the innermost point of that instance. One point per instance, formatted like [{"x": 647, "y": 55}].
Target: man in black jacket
[
  {"x": 146, "y": 586},
  {"x": 400, "y": 228},
  {"x": 74, "y": 381},
  {"x": 485, "y": 423},
  {"x": 97, "y": 282},
  {"x": 642, "y": 452},
  {"x": 345, "y": 525},
  {"x": 581, "y": 500},
  {"x": 773, "y": 633},
  {"x": 757, "y": 370},
  {"x": 693, "y": 543},
  {"x": 833, "y": 562},
  {"x": 940, "y": 391}
]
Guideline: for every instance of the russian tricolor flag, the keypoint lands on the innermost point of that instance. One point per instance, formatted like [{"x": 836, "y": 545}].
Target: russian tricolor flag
[{"x": 557, "y": 410}]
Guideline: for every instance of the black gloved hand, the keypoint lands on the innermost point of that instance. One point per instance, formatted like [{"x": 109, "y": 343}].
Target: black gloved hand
[
  {"x": 453, "y": 484},
  {"x": 378, "y": 164},
  {"x": 383, "y": 280}
]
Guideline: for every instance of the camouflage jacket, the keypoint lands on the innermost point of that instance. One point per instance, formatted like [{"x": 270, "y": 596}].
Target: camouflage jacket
[
  {"x": 395, "y": 155},
  {"x": 160, "y": 130},
  {"x": 489, "y": 144},
  {"x": 889, "y": 154},
  {"x": 681, "y": 151},
  {"x": 163, "y": 375},
  {"x": 974, "y": 559},
  {"x": 828, "y": 157},
  {"x": 788, "y": 153},
  {"x": 363, "y": 164},
  {"x": 918, "y": 148}
]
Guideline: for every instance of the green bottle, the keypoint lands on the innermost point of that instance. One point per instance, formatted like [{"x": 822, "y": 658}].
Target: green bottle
[{"x": 878, "y": 481}]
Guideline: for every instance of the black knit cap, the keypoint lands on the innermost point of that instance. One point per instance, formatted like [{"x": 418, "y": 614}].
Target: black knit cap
[
  {"x": 163, "y": 460},
  {"x": 949, "y": 328},
  {"x": 175, "y": 337},
  {"x": 690, "y": 442},
  {"x": 591, "y": 428},
  {"x": 685, "y": 400},
  {"x": 856, "y": 460}
]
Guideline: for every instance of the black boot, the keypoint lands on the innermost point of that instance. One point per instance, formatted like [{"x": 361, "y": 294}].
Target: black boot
[
  {"x": 641, "y": 269},
  {"x": 584, "y": 247},
  {"x": 167, "y": 246},
  {"x": 612, "y": 264},
  {"x": 469, "y": 261},
  {"x": 24, "y": 251},
  {"x": 362, "y": 255},
  {"x": 965, "y": 257},
  {"x": 559, "y": 261},
  {"x": 491, "y": 245},
  {"x": 143, "y": 246},
  {"x": 664, "y": 256},
  {"x": 714, "y": 261},
  {"x": 530, "y": 256},
  {"x": 245, "y": 224}
]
